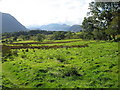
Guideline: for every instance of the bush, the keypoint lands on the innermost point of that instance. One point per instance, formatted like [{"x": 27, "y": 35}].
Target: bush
[{"x": 40, "y": 37}]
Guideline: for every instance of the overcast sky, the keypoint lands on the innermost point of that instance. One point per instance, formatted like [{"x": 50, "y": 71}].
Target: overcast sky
[{"x": 40, "y": 12}]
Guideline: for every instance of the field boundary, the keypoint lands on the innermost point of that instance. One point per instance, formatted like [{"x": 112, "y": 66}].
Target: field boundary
[{"x": 43, "y": 47}]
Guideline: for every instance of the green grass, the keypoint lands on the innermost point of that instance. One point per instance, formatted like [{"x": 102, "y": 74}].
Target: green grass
[
  {"x": 27, "y": 41},
  {"x": 0, "y": 74},
  {"x": 95, "y": 66},
  {"x": 79, "y": 42}
]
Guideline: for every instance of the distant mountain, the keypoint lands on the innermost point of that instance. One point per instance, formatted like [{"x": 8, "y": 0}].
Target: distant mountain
[
  {"x": 34, "y": 27},
  {"x": 57, "y": 27},
  {"x": 75, "y": 28},
  {"x": 52, "y": 27},
  {"x": 10, "y": 24}
]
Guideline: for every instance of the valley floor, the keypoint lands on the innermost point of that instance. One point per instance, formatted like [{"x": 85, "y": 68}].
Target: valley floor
[{"x": 94, "y": 66}]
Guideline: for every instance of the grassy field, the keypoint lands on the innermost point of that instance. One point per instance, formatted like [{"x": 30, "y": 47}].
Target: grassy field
[{"x": 95, "y": 66}]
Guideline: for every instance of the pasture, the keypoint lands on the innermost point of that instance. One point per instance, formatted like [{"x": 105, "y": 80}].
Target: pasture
[{"x": 91, "y": 66}]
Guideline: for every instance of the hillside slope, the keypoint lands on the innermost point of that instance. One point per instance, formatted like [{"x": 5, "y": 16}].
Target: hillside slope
[
  {"x": 75, "y": 28},
  {"x": 10, "y": 24}
]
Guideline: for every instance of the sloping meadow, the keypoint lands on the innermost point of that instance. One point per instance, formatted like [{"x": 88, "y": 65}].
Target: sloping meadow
[{"x": 95, "y": 66}]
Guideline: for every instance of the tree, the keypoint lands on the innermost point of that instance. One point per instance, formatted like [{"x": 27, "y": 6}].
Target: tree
[
  {"x": 40, "y": 37},
  {"x": 69, "y": 35},
  {"x": 87, "y": 24},
  {"x": 99, "y": 35},
  {"x": 101, "y": 20},
  {"x": 59, "y": 35},
  {"x": 24, "y": 37},
  {"x": 113, "y": 29}
]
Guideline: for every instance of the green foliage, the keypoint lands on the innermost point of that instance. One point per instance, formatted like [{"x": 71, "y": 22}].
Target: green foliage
[
  {"x": 99, "y": 35},
  {"x": 40, "y": 37},
  {"x": 113, "y": 29},
  {"x": 86, "y": 35},
  {"x": 24, "y": 37},
  {"x": 69, "y": 35},
  {"x": 102, "y": 20},
  {"x": 58, "y": 35},
  {"x": 95, "y": 66}
]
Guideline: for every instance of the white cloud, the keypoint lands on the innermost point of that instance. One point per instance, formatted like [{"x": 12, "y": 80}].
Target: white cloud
[{"x": 40, "y": 12}]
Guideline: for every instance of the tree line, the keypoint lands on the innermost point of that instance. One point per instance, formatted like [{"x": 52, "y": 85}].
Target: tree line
[{"x": 37, "y": 35}]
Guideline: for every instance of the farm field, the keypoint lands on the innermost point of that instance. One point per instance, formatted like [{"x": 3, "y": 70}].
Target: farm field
[{"x": 92, "y": 66}]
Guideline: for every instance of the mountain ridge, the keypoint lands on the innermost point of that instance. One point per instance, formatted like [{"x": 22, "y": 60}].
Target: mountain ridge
[
  {"x": 75, "y": 28},
  {"x": 57, "y": 27},
  {"x": 51, "y": 27},
  {"x": 11, "y": 24}
]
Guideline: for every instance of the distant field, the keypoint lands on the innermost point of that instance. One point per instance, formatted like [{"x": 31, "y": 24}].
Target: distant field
[
  {"x": 95, "y": 66},
  {"x": 27, "y": 41},
  {"x": 51, "y": 43}
]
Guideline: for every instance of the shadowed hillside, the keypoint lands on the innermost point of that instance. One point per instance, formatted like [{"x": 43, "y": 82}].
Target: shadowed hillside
[{"x": 10, "y": 24}]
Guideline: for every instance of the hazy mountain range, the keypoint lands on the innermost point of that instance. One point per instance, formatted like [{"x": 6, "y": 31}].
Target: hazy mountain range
[
  {"x": 57, "y": 27},
  {"x": 10, "y": 24},
  {"x": 52, "y": 27}
]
